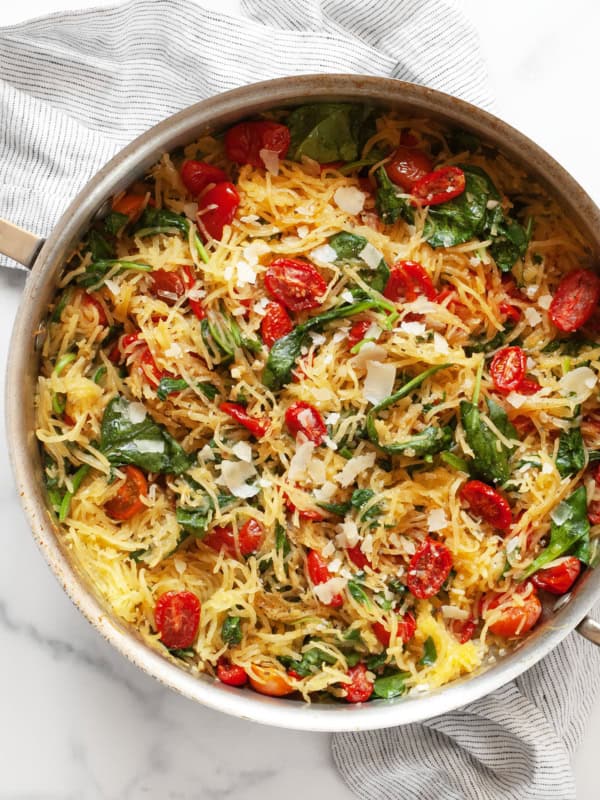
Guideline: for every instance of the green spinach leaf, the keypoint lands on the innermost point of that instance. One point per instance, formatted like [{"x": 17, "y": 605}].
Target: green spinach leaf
[
  {"x": 391, "y": 685},
  {"x": 96, "y": 272},
  {"x": 571, "y": 452},
  {"x": 115, "y": 222},
  {"x": 492, "y": 458},
  {"x": 329, "y": 131},
  {"x": 348, "y": 247},
  {"x": 231, "y": 632},
  {"x": 195, "y": 520},
  {"x": 390, "y": 206},
  {"x": 312, "y": 661},
  {"x": 429, "y": 653},
  {"x": 282, "y": 543}
]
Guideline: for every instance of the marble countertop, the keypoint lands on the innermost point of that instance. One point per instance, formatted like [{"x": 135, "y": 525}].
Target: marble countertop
[{"x": 79, "y": 721}]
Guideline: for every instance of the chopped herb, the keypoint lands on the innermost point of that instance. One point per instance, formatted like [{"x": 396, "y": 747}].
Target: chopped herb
[
  {"x": 96, "y": 272},
  {"x": 231, "y": 632},
  {"x": 429, "y": 653},
  {"x": 311, "y": 662}
]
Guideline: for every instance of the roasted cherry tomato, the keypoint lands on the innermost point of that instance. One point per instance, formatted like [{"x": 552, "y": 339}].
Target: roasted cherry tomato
[
  {"x": 409, "y": 280},
  {"x": 303, "y": 418},
  {"x": 250, "y": 536},
  {"x": 529, "y": 386},
  {"x": 296, "y": 284},
  {"x": 221, "y": 538},
  {"x": 524, "y": 425},
  {"x": 90, "y": 301},
  {"x": 177, "y": 616},
  {"x": 319, "y": 573},
  {"x": 405, "y": 630},
  {"x": 428, "y": 569},
  {"x": 128, "y": 500},
  {"x": 167, "y": 285},
  {"x": 440, "y": 186},
  {"x": 559, "y": 578},
  {"x": 487, "y": 503},
  {"x": 275, "y": 323},
  {"x": 510, "y": 312},
  {"x": 130, "y": 204},
  {"x": 462, "y": 629},
  {"x": 257, "y": 426},
  {"x": 575, "y": 300},
  {"x": 270, "y": 681},
  {"x": 358, "y": 331},
  {"x": 508, "y": 369},
  {"x": 231, "y": 674},
  {"x": 361, "y": 687},
  {"x": 149, "y": 368},
  {"x": 218, "y": 208},
  {"x": 244, "y": 142},
  {"x": 408, "y": 166},
  {"x": 357, "y": 557},
  {"x": 124, "y": 346},
  {"x": 517, "y": 619},
  {"x": 196, "y": 175}
]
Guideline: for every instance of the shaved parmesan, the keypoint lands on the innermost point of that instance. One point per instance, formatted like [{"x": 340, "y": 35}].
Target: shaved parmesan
[
  {"x": 440, "y": 345},
  {"x": 454, "y": 612},
  {"x": 317, "y": 472},
  {"x": 348, "y": 535},
  {"x": 325, "y": 493},
  {"x": 270, "y": 159},
  {"x": 371, "y": 255},
  {"x": 112, "y": 286},
  {"x": 353, "y": 469},
  {"x": 245, "y": 273},
  {"x": 437, "y": 520},
  {"x": 580, "y": 381},
  {"x": 136, "y": 413},
  {"x": 329, "y": 549},
  {"x": 300, "y": 460},
  {"x": 324, "y": 253},
  {"x": 532, "y": 316},
  {"x": 243, "y": 451},
  {"x": 234, "y": 475},
  {"x": 367, "y": 544},
  {"x": 334, "y": 565},
  {"x": 325, "y": 592},
  {"x": 545, "y": 301},
  {"x": 413, "y": 328},
  {"x": 349, "y": 199},
  {"x": 332, "y": 419},
  {"x": 379, "y": 382},
  {"x": 369, "y": 352}
]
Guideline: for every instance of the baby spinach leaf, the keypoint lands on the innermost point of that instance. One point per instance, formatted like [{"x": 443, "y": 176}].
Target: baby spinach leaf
[
  {"x": 114, "y": 222},
  {"x": 169, "y": 385},
  {"x": 390, "y": 206},
  {"x": 231, "y": 632},
  {"x": 492, "y": 458},
  {"x": 429, "y": 653},
  {"x": 161, "y": 220},
  {"x": 100, "y": 247},
  {"x": 348, "y": 247},
  {"x": 455, "y": 462},
  {"x": 463, "y": 218},
  {"x": 145, "y": 444},
  {"x": 376, "y": 661},
  {"x": 391, "y": 685},
  {"x": 312, "y": 660},
  {"x": 222, "y": 336},
  {"x": 208, "y": 390},
  {"x": 195, "y": 520},
  {"x": 96, "y": 272},
  {"x": 182, "y": 652},
  {"x": 510, "y": 243},
  {"x": 567, "y": 535},
  {"x": 429, "y": 441},
  {"x": 329, "y": 131},
  {"x": 358, "y": 593},
  {"x": 571, "y": 452}
]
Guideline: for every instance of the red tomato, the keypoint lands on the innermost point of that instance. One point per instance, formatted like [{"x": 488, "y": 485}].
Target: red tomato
[
  {"x": 508, "y": 369},
  {"x": 303, "y": 418},
  {"x": 560, "y": 578},
  {"x": 357, "y": 332},
  {"x": 196, "y": 175},
  {"x": 127, "y": 501},
  {"x": 177, "y": 616},
  {"x": 487, "y": 503},
  {"x": 304, "y": 513},
  {"x": 319, "y": 573},
  {"x": 257, "y": 426},
  {"x": 296, "y": 284},
  {"x": 529, "y": 386},
  {"x": 409, "y": 280},
  {"x": 405, "y": 630},
  {"x": 221, "y": 538},
  {"x": 361, "y": 687},
  {"x": 440, "y": 186},
  {"x": 244, "y": 142},
  {"x": 463, "y": 630},
  {"x": 358, "y": 558},
  {"x": 512, "y": 313},
  {"x": 250, "y": 537},
  {"x": 275, "y": 324},
  {"x": 231, "y": 674},
  {"x": 166, "y": 285},
  {"x": 149, "y": 368},
  {"x": 408, "y": 166},
  {"x": 124, "y": 346},
  {"x": 270, "y": 681},
  {"x": 218, "y": 208},
  {"x": 516, "y": 620},
  {"x": 130, "y": 204},
  {"x": 428, "y": 569},
  {"x": 524, "y": 425},
  {"x": 90, "y": 301},
  {"x": 190, "y": 280},
  {"x": 575, "y": 300}
]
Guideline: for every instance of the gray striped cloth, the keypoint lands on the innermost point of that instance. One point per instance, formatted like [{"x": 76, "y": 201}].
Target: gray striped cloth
[{"x": 75, "y": 87}]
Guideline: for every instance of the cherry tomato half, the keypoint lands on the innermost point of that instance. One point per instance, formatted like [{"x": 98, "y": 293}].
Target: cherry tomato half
[
  {"x": 518, "y": 619},
  {"x": 357, "y": 557},
  {"x": 296, "y": 284},
  {"x": 196, "y": 175},
  {"x": 428, "y": 569},
  {"x": 89, "y": 301},
  {"x": 218, "y": 208},
  {"x": 127, "y": 502},
  {"x": 270, "y": 681},
  {"x": 508, "y": 369},
  {"x": 487, "y": 503},
  {"x": 190, "y": 281},
  {"x": 231, "y": 674},
  {"x": 319, "y": 573},
  {"x": 509, "y": 312},
  {"x": 560, "y": 578},
  {"x": 357, "y": 332},
  {"x": 303, "y": 418},
  {"x": 130, "y": 204},
  {"x": 405, "y": 630},
  {"x": 275, "y": 323},
  {"x": 440, "y": 186},
  {"x": 250, "y": 536},
  {"x": 167, "y": 285},
  {"x": 244, "y": 142},
  {"x": 177, "y": 616},
  {"x": 575, "y": 300},
  {"x": 409, "y": 280},
  {"x": 257, "y": 426},
  {"x": 462, "y": 629},
  {"x": 360, "y": 689},
  {"x": 221, "y": 538},
  {"x": 407, "y": 166}
]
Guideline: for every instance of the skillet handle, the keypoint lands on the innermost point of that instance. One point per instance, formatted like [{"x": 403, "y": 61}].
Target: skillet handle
[
  {"x": 19, "y": 244},
  {"x": 590, "y": 629}
]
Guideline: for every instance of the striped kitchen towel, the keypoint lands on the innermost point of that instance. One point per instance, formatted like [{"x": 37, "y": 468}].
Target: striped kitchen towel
[{"x": 75, "y": 87}]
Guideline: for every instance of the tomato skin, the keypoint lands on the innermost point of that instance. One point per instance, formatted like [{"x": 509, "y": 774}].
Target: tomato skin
[
  {"x": 250, "y": 536},
  {"x": 167, "y": 285},
  {"x": 405, "y": 630},
  {"x": 302, "y": 417},
  {"x": 428, "y": 569},
  {"x": 357, "y": 332},
  {"x": 575, "y": 300},
  {"x": 231, "y": 674},
  {"x": 440, "y": 186},
  {"x": 361, "y": 688},
  {"x": 517, "y": 620},
  {"x": 275, "y": 324},
  {"x": 270, "y": 682},
  {"x": 358, "y": 558},
  {"x": 221, "y": 538},
  {"x": 487, "y": 503},
  {"x": 257, "y": 426},
  {"x": 409, "y": 280},
  {"x": 212, "y": 220},
  {"x": 196, "y": 175},
  {"x": 130, "y": 204},
  {"x": 529, "y": 386},
  {"x": 463, "y": 630},
  {"x": 512, "y": 313},
  {"x": 558, "y": 579},
  {"x": 407, "y": 166},
  {"x": 177, "y": 617},
  {"x": 310, "y": 514},
  {"x": 127, "y": 502},
  {"x": 92, "y": 302},
  {"x": 295, "y": 284},
  {"x": 319, "y": 573},
  {"x": 244, "y": 142},
  {"x": 149, "y": 368},
  {"x": 126, "y": 342},
  {"x": 508, "y": 369}
]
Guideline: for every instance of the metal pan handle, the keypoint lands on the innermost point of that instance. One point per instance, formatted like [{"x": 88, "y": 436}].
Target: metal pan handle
[
  {"x": 590, "y": 629},
  {"x": 19, "y": 244}
]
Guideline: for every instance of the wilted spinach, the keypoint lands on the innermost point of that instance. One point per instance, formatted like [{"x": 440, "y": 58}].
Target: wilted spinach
[
  {"x": 348, "y": 247},
  {"x": 571, "y": 452},
  {"x": 329, "y": 131},
  {"x": 492, "y": 457}
]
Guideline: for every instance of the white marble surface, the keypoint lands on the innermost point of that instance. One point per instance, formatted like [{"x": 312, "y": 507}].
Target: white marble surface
[{"x": 78, "y": 721}]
